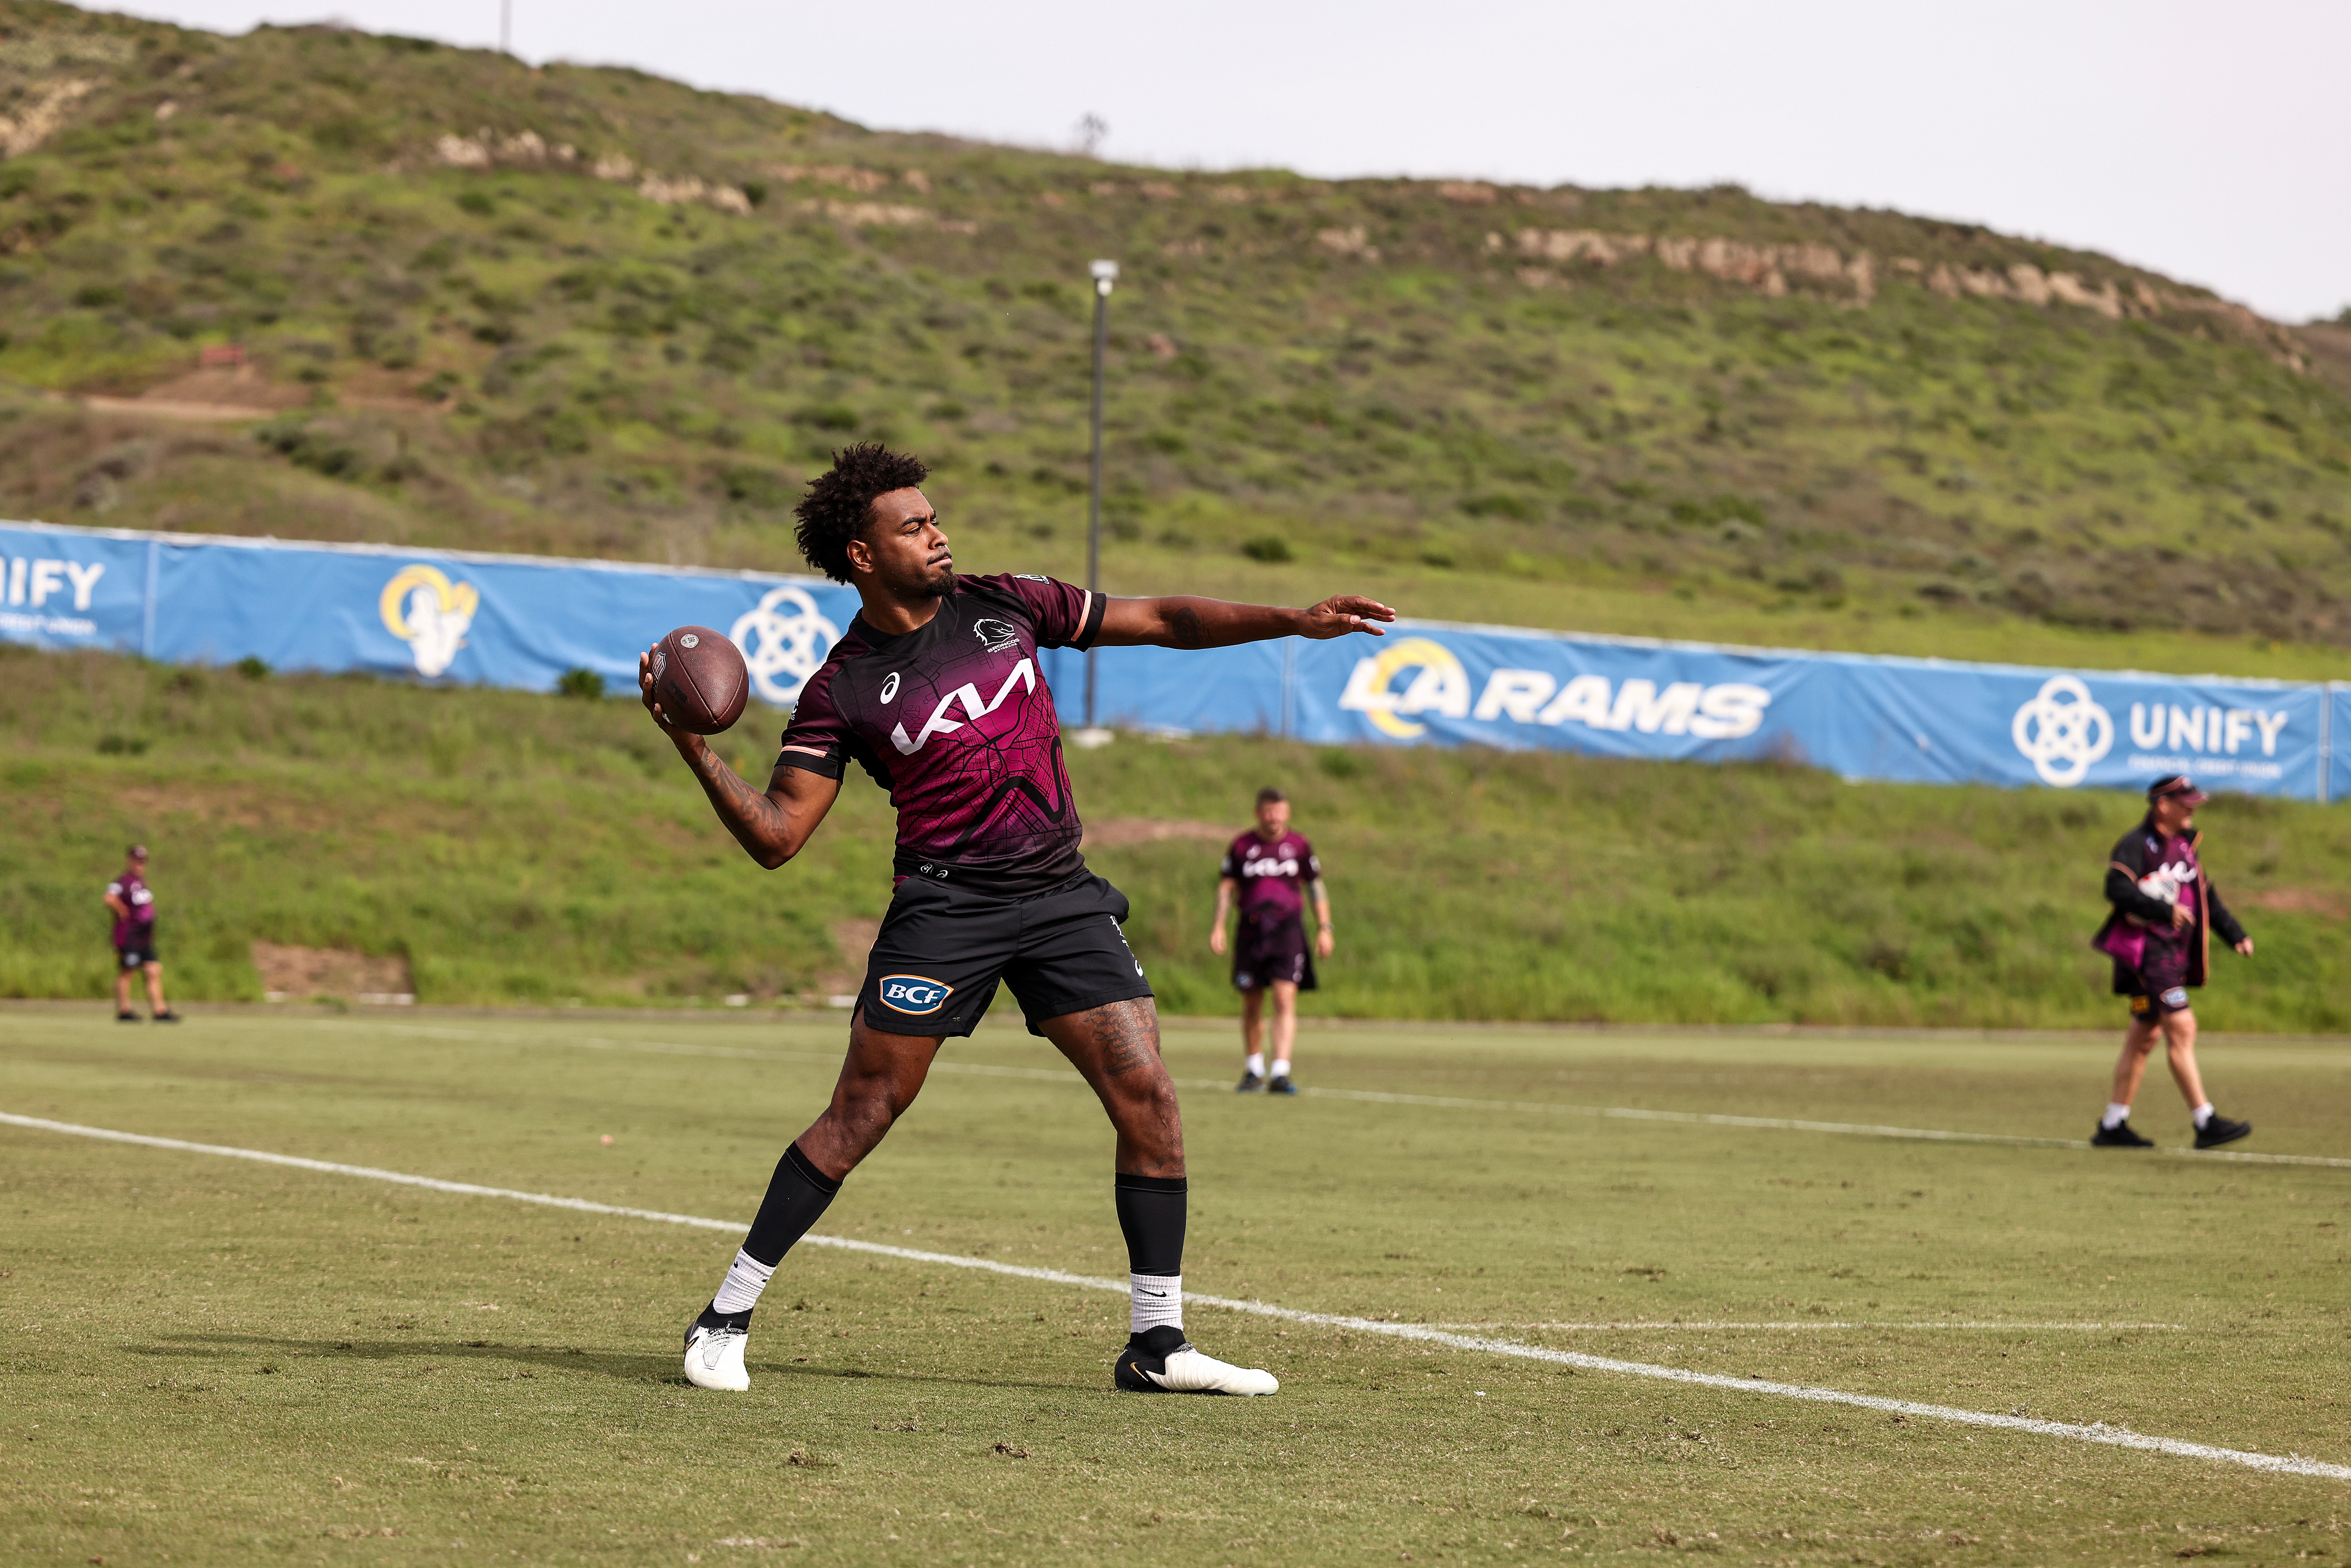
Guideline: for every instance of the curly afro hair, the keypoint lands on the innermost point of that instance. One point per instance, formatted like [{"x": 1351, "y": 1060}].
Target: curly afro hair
[{"x": 839, "y": 501}]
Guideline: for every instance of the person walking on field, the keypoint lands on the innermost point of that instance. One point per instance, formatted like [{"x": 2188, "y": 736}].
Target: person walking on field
[
  {"x": 2160, "y": 935},
  {"x": 1271, "y": 867},
  {"x": 133, "y": 906}
]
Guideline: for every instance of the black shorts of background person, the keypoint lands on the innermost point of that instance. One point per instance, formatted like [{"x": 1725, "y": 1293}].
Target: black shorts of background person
[
  {"x": 942, "y": 949},
  {"x": 1265, "y": 951}
]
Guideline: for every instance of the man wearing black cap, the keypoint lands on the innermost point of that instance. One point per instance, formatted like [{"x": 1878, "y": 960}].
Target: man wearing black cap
[{"x": 2160, "y": 935}]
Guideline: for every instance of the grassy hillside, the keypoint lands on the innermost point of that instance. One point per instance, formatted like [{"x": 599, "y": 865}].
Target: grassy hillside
[
  {"x": 588, "y": 311},
  {"x": 521, "y": 848}
]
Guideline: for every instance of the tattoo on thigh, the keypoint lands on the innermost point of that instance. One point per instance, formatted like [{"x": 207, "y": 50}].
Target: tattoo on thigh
[{"x": 1125, "y": 1034}]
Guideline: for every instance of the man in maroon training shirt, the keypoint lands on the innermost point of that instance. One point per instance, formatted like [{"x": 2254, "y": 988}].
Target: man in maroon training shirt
[
  {"x": 2159, "y": 935},
  {"x": 935, "y": 691},
  {"x": 1271, "y": 868},
  {"x": 132, "y": 904}
]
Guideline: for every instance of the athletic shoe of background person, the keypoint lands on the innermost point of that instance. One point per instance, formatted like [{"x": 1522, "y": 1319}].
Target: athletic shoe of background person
[{"x": 2218, "y": 1130}]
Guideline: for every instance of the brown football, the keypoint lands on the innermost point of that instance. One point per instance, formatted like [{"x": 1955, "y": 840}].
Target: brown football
[{"x": 699, "y": 680}]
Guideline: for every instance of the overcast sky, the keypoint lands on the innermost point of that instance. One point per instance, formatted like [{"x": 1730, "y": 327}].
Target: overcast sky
[{"x": 2210, "y": 141}]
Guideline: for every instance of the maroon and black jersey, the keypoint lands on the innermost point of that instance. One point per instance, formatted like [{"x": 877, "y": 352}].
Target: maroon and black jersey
[
  {"x": 1273, "y": 877},
  {"x": 137, "y": 927},
  {"x": 955, "y": 720}
]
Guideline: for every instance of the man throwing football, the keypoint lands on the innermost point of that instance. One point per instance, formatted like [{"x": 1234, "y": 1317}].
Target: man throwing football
[{"x": 935, "y": 691}]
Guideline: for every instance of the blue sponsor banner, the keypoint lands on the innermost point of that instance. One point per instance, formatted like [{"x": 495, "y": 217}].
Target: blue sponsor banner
[
  {"x": 1900, "y": 720},
  {"x": 2338, "y": 731},
  {"x": 522, "y": 622},
  {"x": 435, "y": 615}
]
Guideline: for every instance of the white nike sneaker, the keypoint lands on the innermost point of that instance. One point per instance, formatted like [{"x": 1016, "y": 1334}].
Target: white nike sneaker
[
  {"x": 714, "y": 1354},
  {"x": 1162, "y": 1361}
]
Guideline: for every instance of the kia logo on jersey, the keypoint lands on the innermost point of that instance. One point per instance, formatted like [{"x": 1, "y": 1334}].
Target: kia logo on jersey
[
  {"x": 1024, "y": 674},
  {"x": 1270, "y": 867},
  {"x": 913, "y": 994}
]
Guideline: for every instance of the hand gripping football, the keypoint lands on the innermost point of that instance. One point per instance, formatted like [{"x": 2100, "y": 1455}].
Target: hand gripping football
[{"x": 699, "y": 680}]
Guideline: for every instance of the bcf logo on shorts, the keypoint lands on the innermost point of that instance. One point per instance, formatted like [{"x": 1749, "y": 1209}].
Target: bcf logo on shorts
[
  {"x": 913, "y": 994},
  {"x": 2176, "y": 997}
]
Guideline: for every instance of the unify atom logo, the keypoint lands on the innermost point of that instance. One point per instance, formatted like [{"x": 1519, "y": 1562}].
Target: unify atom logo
[
  {"x": 2061, "y": 732},
  {"x": 784, "y": 640},
  {"x": 431, "y": 614}
]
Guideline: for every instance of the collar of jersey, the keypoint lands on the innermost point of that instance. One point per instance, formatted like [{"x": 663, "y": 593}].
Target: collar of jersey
[{"x": 878, "y": 640}]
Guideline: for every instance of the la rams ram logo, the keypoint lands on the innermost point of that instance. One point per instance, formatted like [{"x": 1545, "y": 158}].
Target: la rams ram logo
[
  {"x": 914, "y": 993},
  {"x": 431, "y": 614}
]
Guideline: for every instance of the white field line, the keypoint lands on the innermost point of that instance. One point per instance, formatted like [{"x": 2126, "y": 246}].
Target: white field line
[
  {"x": 1653, "y": 1325},
  {"x": 2096, "y": 1432},
  {"x": 1441, "y": 1102}
]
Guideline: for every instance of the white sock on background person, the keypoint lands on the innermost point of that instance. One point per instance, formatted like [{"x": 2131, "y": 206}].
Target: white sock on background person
[
  {"x": 1281, "y": 1068},
  {"x": 2203, "y": 1114},
  {"x": 1256, "y": 1065},
  {"x": 1158, "y": 1299},
  {"x": 2117, "y": 1114},
  {"x": 740, "y": 1291}
]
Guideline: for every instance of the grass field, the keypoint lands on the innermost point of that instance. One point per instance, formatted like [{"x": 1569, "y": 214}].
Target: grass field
[
  {"x": 515, "y": 848},
  {"x": 212, "y": 1360}
]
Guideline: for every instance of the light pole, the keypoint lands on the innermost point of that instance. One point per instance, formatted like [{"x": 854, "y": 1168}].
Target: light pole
[
  {"x": 505, "y": 26},
  {"x": 1105, "y": 273}
]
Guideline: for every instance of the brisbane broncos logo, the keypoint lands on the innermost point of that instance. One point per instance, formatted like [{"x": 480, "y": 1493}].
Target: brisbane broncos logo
[{"x": 996, "y": 636}]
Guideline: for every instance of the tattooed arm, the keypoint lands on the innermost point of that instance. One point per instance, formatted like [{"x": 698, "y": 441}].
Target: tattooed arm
[
  {"x": 1187, "y": 623},
  {"x": 772, "y": 826}
]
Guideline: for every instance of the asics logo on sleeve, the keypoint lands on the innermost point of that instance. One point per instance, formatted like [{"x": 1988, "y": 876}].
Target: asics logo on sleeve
[{"x": 1024, "y": 673}]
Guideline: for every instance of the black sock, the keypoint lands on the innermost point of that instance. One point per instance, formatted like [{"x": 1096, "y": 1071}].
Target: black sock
[
  {"x": 797, "y": 1196},
  {"x": 1150, "y": 1214}
]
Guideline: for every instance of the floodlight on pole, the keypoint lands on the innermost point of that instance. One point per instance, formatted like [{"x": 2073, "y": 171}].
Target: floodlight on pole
[
  {"x": 505, "y": 26},
  {"x": 1105, "y": 274}
]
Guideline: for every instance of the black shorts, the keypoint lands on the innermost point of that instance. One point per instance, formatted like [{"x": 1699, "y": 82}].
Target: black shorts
[
  {"x": 137, "y": 953},
  {"x": 1271, "y": 950},
  {"x": 2158, "y": 1001},
  {"x": 942, "y": 949},
  {"x": 2157, "y": 986}
]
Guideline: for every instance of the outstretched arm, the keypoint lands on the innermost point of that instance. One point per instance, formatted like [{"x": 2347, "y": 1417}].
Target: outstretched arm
[
  {"x": 772, "y": 826},
  {"x": 1183, "y": 621}
]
